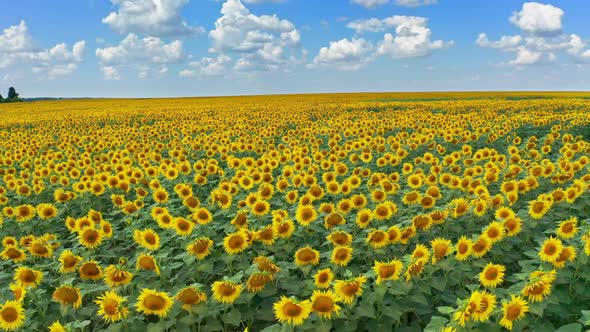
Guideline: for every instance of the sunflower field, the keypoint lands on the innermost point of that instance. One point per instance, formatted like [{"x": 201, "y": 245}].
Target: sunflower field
[{"x": 337, "y": 212}]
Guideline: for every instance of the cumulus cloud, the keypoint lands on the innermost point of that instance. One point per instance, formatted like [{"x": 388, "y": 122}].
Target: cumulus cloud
[
  {"x": 207, "y": 66},
  {"x": 380, "y": 25},
  {"x": 538, "y": 18},
  {"x": 542, "y": 40},
  {"x": 344, "y": 54},
  {"x": 370, "y": 4},
  {"x": 505, "y": 43},
  {"x": 17, "y": 47},
  {"x": 412, "y": 39},
  {"x": 138, "y": 52},
  {"x": 157, "y": 18},
  {"x": 257, "y": 43},
  {"x": 415, "y": 3}
]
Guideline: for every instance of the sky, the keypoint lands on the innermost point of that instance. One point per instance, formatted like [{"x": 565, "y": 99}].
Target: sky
[{"x": 167, "y": 48}]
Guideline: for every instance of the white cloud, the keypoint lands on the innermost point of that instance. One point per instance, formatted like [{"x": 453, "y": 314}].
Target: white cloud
[
  {"x": 207, "y": 66},
  {"x": 139, "y": 52},
  {"x": 415, "y": 3},
  {"x": 505, "y": 43},
  {"x": 261, "y": 1},
  {"x": 344, "y": 54},
  {"x": 380, "y": 25},
  {"x": 412, "y": 39},
  {"x": 261, "y": 43},
  {"x": 525, "y": 56},
  {"x": 370, "y": 4},
  {"x": 110, "y": 73},
  {"x": 538, "y": 18},
  {"x": 159, "y": 18},
  {"x": 17, "y": 47}
]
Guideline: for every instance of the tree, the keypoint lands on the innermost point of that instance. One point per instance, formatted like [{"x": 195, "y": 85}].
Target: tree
[
  {"x": 12, "y": 95},
  {"x": 1, "y": 98}
]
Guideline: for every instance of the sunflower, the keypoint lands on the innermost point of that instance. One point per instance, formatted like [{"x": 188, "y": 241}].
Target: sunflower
[
  {"x": 341, "y": 255},
  {"x": 190, "y": 296},
  {"x": 468, "y": 308},
  {"x": 411, "y": 197},
  {"x": 258, "y": 281},
  {"x": 68, "y": 261},
  {"x": 459, "y": 207},
  {"x": 364, "y": 217},
  {"x": 164, "y": 220},
  {"x": 90, "y": 238},
  {"x": 538, "y": 208},
  {"x": 226, "y": 291},
  {"x": 290, "y": 311},
  {"x": 46, "y": 211},
  {"x": 333, "y": 219},
  {"x": 503, "y": 213},
  {"x": 284, "y": 229},
  {"x": 115, "y": 275},
  {"x": 422, "y": 222},
  {"x": 340, "y": 238},
  {"x": 307, "y": 255},
  {"x": 382, "y": 211},
  {"x": 266, "y": 264},
  {"x": 57, "y": 327},
  {"x": 152, "y": 302},
  {"x": 39, "y": 248},
  {"x": 487, "y": 303},
  {"x": 9, "y": 241},
  {"x": 377, "y": 238},
  {"x": 494, "y": 231},
  {"x": 568, "y": 228},
  {"x": 349, "y": 289},
  {"x": 440, "y": 249},
  {"x": 200, "y": 248},
  {"x": 260, "y": 208},
  {"x": 567, "y": 254},
  {"x": 183, "y": 227},
  {"x": 513, "y": 310},
  {"x": 324, "y": 303},
  {"x": 387, "y": 270},
  {"x": 265, "y": 235},
  {"x": 481, "y": 246},
  {"x": 394, "y": 234},
  {"x": 305, "y": 215},
  {"x": 235, "y": 243},
  {"x": 28, "y": 277},
  {"x": 13, "y": 253},
  {"x": 323, "y": 278},
  {"x": 240, "y": 220},
  {"x": 18, "y": 290},
  {"x": 111, "y": 308},
  {"x": 160, "y": 195},
  {"x": 492, "y": 275},
  {"x": 12, "y": 315},
  {"x": 463, "y": 248},
  {"x": 551, "y": 250},
  {"x": 107, "y": 229},
  {"x": 147, "y": 262},
  {"x": 68, "y": 295},
  {"x": 202, "y": 216},
  {"x": 537, "y": 289},
  {"x": 90, "y": 270},
  {"x": 148, "y": 238},
  {"x": 420, "y": 252},
  {"x": 512, "y": 225}
]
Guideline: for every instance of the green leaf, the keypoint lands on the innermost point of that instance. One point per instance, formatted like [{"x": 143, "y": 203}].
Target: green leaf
[
  {"x": 233, "y": 317},
  {"x": 445, "y": 310},
  {"x": 585, "y": 317},
  {"x": 436, "y": 324},
  {"x": 366, "y": 310},
  {"x": 574, "y": 327}
]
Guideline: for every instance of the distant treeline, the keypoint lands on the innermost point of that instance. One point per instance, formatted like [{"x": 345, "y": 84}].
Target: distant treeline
[{"x": 12, "y": 96}]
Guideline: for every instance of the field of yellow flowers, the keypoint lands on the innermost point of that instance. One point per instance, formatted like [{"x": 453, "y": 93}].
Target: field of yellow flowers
[{"x": 341, "y": 212}]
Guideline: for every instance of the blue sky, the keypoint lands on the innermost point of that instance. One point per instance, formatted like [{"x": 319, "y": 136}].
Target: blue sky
[{"x": 157, "y": 48}]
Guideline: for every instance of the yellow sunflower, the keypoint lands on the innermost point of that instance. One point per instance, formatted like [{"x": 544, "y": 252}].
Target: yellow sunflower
[
  {"x": 190, "y": 296},
  {"x": 290, "y": 311},
  {"x": 12, "y": 315},
  {"x": 324, "y": 303},
  {"x": 513, "y": 310},
  {"x": 152, "y": 302},
  {"x": 440, "y": 249},
  {"x": 200, "y": 248},
  {"x": 68, "y": 295},
  {"x": 550, "y": 250},
  {"x": 111, "y": 306},
  {"x": 388, "y": 270},
  {"x": 568, "y": 228},
  {"x": 147, "y": 262},
  {"x": 115, "y": 275},
  {"x": 349, "y": 289},
  {"x": 235, "y": 243},
  {"x": 226, "y": 291},
  {"x": 28, "y": 277},
  {"x": 307, "y": 255},
  {"x": 492, "y": 275},
  {"x": 341, "y": 255},
  {"x": 323, "y": 278}
]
